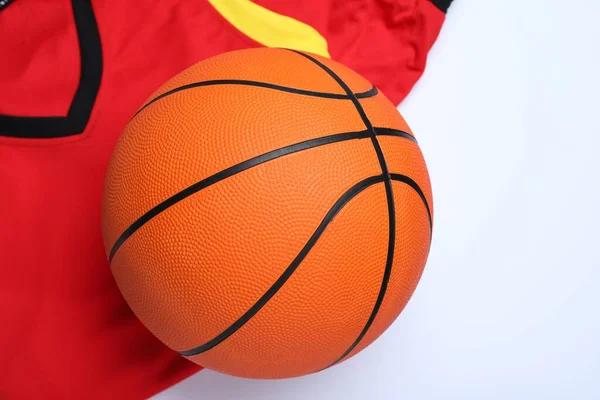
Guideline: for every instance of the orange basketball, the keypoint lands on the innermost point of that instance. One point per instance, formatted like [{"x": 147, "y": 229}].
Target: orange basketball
[{"x": 267, "y": 213}]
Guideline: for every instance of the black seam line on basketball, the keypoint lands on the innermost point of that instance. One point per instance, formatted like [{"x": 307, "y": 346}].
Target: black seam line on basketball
[
  {"x": 386, "y": 274},
  {"x": 394, "y": 132},
  {"x": 242, "y": 167},
  {"x": 344, "y": 86},
  {"x": 390, "y": 203},
  {"x": 412, "y": 184},
  {"x": 289, "y": 271},
  {"x": 226, "y": 173},
  {"x": 369, "y": 93},
  {"x": 407, "y": 180}
]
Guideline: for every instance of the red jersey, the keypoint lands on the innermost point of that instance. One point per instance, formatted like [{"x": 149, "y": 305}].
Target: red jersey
[{"x": 71, "y": 76}]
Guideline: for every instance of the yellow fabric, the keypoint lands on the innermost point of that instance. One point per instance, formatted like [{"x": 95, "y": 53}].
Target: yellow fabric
[{"x": 269, "y": 28}]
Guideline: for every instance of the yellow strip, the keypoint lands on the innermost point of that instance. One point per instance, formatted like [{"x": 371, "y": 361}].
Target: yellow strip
[{"x": 269, "y": 28}]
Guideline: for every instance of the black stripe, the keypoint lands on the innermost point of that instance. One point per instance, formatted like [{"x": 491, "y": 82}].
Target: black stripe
[
  {"x": 370, "y": 93},
  {"x": 4, "y": 4},
  {"x": 390, "y": 202},
  {"x": 443, "y": 5},
  {"x": 394, "y": 132},
  {"x": 417, "y": 188},
  {"x": 347, "y": 89},
  {"x": 90, "y": 52},
  {"x": 226, "y": 173},
  {"x": 346, "y": 197}
]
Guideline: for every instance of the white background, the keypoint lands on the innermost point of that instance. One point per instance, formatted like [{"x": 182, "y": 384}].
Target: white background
[{"x": 508, "y": 306}]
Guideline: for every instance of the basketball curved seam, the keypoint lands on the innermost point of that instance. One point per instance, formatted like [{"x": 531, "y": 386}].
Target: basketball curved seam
[
  {"x": 299, "y": 258},
  {"x": 390, "y": 202},
  {"x": 394, "y": 132},
  {"x": 242, "y": 166},
  {"x": 283, "y": 278},
  {"x": 363, "y": 95},
  {"x": 410, "y": 182}
]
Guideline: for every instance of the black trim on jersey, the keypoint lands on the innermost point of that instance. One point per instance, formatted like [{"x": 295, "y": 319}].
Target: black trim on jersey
[
  {"x": 442, "y": 4},
  {"x": 4, "y": 4},
  {"x": 90, "y": 52}
]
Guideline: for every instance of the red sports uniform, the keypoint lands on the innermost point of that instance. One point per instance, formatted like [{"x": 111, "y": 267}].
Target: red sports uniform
[{"x": 72, "y": 74}]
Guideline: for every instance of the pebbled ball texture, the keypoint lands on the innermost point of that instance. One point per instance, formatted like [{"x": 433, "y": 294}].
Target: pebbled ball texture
[{"x": 267, "y": 267}]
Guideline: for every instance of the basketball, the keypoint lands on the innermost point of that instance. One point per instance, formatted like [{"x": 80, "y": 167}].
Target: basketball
[{"x": 267, "y": 213}]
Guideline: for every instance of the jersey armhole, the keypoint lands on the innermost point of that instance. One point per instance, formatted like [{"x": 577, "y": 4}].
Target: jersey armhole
[{"x": 90, "y": 52}]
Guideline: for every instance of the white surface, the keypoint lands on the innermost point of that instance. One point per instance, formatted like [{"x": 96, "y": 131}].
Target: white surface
[{"x": 508, "y": 306}]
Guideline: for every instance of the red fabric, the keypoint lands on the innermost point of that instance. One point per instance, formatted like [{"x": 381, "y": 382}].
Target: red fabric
[
  {"x": 386, "y": 41},
  {"x": 67, "y": 332},
  {"x": 39, "y": 52}
]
